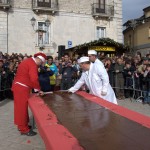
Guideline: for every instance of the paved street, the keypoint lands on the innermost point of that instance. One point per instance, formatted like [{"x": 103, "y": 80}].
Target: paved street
[
  {"x": 11, "y": 139},
  {"x": 135, "y": 106}
]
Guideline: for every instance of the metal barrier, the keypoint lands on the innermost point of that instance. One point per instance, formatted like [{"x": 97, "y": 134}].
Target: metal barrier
[{"x": 139, "y": 95}]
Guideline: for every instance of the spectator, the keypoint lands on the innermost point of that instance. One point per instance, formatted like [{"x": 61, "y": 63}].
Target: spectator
[
  {"x": 52, "y": 67},
  {"x": 67, "y": 72},
  {"x": 2, "y": 78},
  {"x": 59, "y": 76},
  {"x": 110, "y": 70},
  {"x": 128, "y": 79},
  {"x": 44, "y": 78},
  {"x": 1, "y": 55},
  {"x": 119, "y": 79},
  {"x": 146, "y": 80}
]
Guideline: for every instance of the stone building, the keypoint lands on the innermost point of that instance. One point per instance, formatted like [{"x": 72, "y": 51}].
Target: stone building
[
  {"x": 56, "y": 23},
  {"x": 137, "y": 33}
]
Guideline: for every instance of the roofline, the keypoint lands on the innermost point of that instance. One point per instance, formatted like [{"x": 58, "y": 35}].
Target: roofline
[{"x": 146, "y": 9}]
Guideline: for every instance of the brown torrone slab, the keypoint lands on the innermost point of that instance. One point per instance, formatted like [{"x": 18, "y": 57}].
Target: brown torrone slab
[{"x": 95, "y": 127}]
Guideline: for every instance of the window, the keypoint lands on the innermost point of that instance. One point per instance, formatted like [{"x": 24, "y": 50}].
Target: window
[
  {"x": 101, "y": 6},
  {"x": 101, "y": 32},
  {"x": 44, "y": 3},
  {"x": 43, "y": 37}
]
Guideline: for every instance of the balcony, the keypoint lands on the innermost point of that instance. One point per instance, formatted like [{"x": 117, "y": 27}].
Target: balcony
[
  {"x": 4, "y": 4},
  {"x": 102, "y": 10},
  {"x": 45, "y": 5}
]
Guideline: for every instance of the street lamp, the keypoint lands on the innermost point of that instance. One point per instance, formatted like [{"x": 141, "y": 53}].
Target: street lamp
[
  {"x": 47, "y": 22},
  {"x": 33, "y": 20}
]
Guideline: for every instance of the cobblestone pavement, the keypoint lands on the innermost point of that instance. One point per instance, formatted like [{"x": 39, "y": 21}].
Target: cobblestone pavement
[{"x": 10, "y": 138}]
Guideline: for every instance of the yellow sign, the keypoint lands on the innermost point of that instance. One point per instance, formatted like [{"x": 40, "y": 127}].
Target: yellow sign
[{"x": 103, "y": 48}]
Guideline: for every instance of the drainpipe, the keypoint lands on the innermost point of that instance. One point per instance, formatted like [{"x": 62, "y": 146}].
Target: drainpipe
[{"x": 7, "y": 31}]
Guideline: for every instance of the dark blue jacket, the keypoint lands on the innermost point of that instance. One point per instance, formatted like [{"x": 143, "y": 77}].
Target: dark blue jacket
[{"x": 44, "y": 79}]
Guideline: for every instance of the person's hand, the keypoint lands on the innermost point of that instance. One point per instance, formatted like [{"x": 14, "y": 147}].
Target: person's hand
[
  {"x": 41, "y": 93},
  {"x": 48, "y": 69},
  {"x": 103, "y": 93},
  {"x": 69, "y": 65},
  {"x": 63, "y": 63},
  {"x": 69, "y": 91}
]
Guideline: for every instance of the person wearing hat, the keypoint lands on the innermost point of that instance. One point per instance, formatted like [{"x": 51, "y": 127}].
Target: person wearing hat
[
  {"x": 96, "y": 80},
  {"x": 92, "y": 54},
  {"x": 25, "y": 80}
]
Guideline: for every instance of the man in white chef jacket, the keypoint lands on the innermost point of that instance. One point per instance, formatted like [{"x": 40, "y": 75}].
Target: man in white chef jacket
[
  {"x": 92, "y": 54},
  {"x": 96, "y": 80}
]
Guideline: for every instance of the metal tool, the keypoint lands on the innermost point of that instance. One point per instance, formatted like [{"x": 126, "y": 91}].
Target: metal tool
[
  {"x": 62, "y": 91},
  {"x": 45, "y": 93}
]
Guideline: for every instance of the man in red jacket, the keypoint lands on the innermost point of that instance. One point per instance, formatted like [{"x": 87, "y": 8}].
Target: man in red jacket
[{"x": 25, "y": 80}]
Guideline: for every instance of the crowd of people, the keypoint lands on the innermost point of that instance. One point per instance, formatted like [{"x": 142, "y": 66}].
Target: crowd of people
[
  {"x": 129, "y": 76},
  {"x": 96, "y": 74}
]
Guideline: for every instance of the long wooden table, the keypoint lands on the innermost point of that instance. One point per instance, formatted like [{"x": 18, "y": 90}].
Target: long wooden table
[{"x": 82, "y": 121}]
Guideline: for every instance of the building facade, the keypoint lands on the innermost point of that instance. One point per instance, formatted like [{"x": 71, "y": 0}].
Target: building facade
[
  {"x": 32, "y": 25},
  {"x": 137, "y": 33}
]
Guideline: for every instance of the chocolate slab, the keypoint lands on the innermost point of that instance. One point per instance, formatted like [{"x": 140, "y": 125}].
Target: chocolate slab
[{"x": 95, "y": 127}]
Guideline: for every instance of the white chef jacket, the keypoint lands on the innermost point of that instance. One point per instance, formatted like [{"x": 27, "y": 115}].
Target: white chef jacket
[
  {"x": 98, "y": 62},
  {"x": 97, "y": 80}
]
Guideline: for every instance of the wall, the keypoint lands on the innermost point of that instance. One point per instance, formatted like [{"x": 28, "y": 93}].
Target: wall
[
  {"x": 72, "y": 22},
  {"x": 3, "y": 31}
]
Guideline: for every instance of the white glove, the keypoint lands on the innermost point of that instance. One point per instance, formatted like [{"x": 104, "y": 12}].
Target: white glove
[{"x": 103, "y": 93}]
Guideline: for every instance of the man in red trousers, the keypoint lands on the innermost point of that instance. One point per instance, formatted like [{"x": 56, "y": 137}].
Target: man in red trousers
[{"x": 25, "y": 80}]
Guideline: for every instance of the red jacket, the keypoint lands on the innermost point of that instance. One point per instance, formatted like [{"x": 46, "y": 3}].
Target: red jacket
[{"x": 27, "y": 73}]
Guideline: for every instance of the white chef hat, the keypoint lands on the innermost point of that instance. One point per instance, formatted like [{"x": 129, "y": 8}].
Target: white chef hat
[
  {"x": 83, "y": 59},
  {"x": 92, "y": 52}
]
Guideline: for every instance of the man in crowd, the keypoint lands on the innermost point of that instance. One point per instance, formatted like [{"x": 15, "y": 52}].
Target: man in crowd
[
  {"x": 96, "y": 79},
  {"x": 128, "y": 79},
  {"x": 67, "y": 72},
  {"x": 119, "y": 79},
  {"x": 2, "y": 74},
  {"x": 25, "y": 80},
  {"x": 110, "y": 70}
]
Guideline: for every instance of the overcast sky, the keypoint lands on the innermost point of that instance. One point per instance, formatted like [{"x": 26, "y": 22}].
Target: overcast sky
[{"x": 133, "y": 8}]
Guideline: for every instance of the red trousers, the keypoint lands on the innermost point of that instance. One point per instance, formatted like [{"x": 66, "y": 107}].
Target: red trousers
[{"x": 21, "y": 117}]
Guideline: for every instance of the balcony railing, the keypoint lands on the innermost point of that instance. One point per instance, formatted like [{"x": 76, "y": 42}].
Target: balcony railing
[
  {"x": 4, "y": 4},
  {"x": 45, "y": 5},
  {"x": 102, "y": 10}
]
